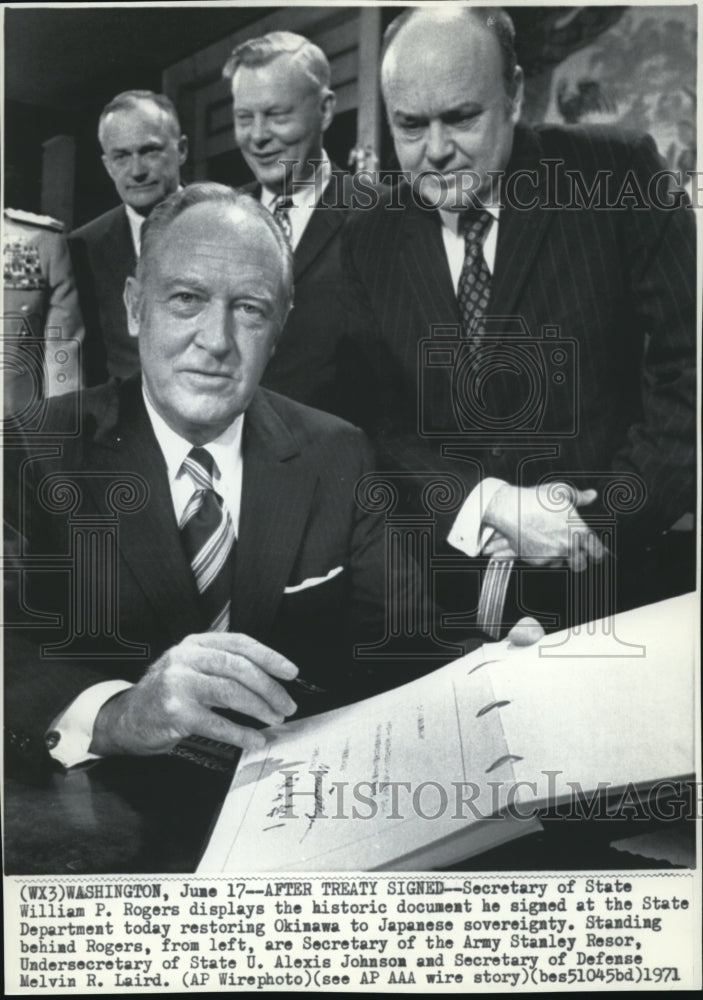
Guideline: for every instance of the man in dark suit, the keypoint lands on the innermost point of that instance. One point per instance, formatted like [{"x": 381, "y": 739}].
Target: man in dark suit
[
  {"x": 240, "y": 549},
  {"x": 282, "y": 106},
  {"x": 143, "y": 151},
  {"x": 526, "y": 301}
]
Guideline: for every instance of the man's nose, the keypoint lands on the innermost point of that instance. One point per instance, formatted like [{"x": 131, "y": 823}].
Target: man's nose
[
  {"x": 137, "y": 166},
  {"x": 260, "y": 131},
  {"x": 439, "y": 147},
  {"x": 217, "y": 334}
]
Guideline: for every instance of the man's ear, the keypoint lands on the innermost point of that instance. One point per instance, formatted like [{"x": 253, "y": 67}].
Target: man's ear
[
  {"x": 132, "y": 300},
  {"x": 280, "y": 332},
  {"x": 182, "y": 149},
  {"x": 108, "y": 166},
  {"x": 329, "y": 103},
  {"x": 519, "y": 93}
]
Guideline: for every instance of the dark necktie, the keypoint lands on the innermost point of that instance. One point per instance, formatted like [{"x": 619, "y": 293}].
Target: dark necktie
[
  {"x": 474, "y": 289},
  {"x": 208, "y": 538},
  {"x": 473, "y": 294},
  {"x": 281, "y": 214}
]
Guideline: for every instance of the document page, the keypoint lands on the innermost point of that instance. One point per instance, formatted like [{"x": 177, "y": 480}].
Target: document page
[
  {"x": 605, "y": 706},
  {"x": 366, "y": 785}
]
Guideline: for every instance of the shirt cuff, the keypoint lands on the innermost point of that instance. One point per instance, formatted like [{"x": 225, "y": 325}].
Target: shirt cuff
[
  {"x": 69, "y": 738},
  {"x": 467, "y": 533}
]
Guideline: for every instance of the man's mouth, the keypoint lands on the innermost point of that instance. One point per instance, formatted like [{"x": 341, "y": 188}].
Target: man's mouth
[
  {"x": 204, "y": 374},
  {"x": 267, "y": 158}
]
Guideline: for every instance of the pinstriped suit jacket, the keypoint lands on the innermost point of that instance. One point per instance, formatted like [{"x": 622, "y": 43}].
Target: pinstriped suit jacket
[
  {"x": 310, "y": 576},
  {"x": 596, "y": 375}
]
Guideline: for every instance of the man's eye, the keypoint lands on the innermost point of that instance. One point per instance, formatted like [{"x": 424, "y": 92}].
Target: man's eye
[
  {"x": 184, "y": 298},
  {"x": 411, "y": 127},
  {"x": 251, "y": 309},
  {"x": 464, "y": 119}
]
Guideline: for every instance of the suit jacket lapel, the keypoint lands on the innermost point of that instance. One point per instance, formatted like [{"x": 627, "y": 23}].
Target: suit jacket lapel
[
  {"x": 520, "y": 235},
  {"x": 324, "y": 223},
  {"x": 277, "y": 489},
  {"x": 426, "y": 267},
  {"x": 149, "y": 540},
  {"x": 119, "y": 245},
  {"x": 521, "y": 230}
]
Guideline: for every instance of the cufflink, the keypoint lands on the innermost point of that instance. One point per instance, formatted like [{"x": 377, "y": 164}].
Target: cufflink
[{"x": 51, "y": 740}]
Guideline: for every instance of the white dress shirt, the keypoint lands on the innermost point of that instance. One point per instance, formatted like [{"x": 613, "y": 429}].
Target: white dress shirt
[
  {"x": 305, "y": 197},
  {"x": 466, "y": 533},
  {"x": 136, "y": 221},
  {"x": 75, "y": 725}
]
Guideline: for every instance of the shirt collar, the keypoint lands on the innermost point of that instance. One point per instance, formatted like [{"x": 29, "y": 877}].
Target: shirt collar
[
  {"x": 136, "y": 221},
  {"x": 305, "y": 195},
  {"x": 225, "y": 449},
  {"x": 450, "y": 220}
]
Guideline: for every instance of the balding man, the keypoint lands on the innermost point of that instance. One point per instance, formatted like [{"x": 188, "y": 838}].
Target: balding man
[
  {"x": 526, "y": 299},
  {"x": 143, "y": 151},
  {"x": 243, "y": 557},
  {"x": 282, "y": 106}
]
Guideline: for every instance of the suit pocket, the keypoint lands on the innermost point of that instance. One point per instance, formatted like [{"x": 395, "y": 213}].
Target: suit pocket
[{"x": 313, "y": 581}]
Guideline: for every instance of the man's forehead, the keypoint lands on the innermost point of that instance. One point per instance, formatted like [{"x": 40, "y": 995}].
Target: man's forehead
[
  {"x": 457, "y": 47},
  {"x": 283, "y": 71},
  {"x": 212, "y": 233},
  {"x": 141, "y": 118}
]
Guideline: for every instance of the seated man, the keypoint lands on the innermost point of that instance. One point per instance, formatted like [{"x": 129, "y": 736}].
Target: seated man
[{"x": 240, "y": 554}]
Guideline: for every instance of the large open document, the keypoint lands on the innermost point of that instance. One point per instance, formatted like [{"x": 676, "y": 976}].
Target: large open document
[{"x": 458, "y": 761}]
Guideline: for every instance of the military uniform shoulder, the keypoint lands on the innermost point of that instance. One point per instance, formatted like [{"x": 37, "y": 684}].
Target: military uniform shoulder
[{"x": 32, "y": 219}]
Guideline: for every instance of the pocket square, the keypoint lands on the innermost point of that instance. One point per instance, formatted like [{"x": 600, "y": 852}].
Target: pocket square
[{"x": 313, "y": 581}]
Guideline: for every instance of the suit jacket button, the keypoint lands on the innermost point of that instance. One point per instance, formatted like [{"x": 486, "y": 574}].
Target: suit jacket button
[{"x": 52, "y": 739}]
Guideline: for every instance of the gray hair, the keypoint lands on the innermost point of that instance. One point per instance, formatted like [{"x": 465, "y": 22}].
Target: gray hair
[
  {"x": 262, "y": 50},
  {"x": 202, "y": 193},
  {"x": 495, "y": 19},
  {"x": 130, "y": 100}
]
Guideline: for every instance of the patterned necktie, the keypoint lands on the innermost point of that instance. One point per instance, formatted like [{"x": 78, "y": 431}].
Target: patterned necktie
[
  {"x": 208, "y": 538},
  {"x": 281, "y": 214},
  {"x": 474, "y": 289},
  {"x": 474, "y": 294}
]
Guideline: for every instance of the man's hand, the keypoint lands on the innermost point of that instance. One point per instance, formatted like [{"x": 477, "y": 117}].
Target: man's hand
[
  {"x": 541, "y": 526},
  {"x": 525, "y": 632},
  {"x": 176, "y": 695}
]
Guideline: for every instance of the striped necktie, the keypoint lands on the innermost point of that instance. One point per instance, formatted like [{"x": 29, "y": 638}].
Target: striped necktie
[
  {"x": 281, "y": 214},
  {"x": 208, "y": 538}
]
